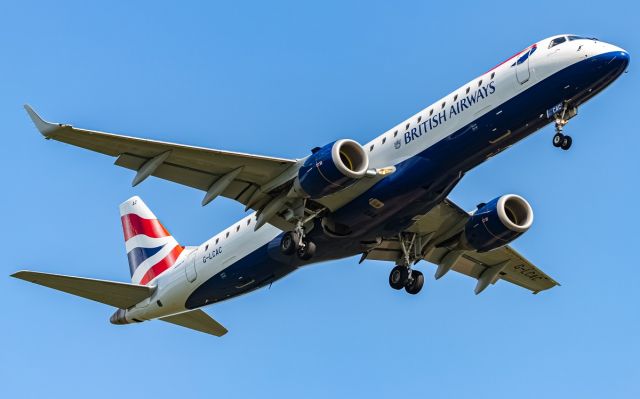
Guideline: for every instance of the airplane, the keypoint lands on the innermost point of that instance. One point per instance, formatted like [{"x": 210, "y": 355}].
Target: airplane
[{"x": 385, "y": 200}]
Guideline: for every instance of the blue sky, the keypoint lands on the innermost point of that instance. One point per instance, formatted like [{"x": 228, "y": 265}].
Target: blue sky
[{"x": 279, "y": 78}]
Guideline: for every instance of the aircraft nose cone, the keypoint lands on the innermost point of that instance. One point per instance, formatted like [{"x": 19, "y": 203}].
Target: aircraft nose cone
[
  {"x": 624, "y": 56},
  {"x": 619, "y": 61},
  {"x": 618, "y": 57},
  {"x": 610, "y": 64}
]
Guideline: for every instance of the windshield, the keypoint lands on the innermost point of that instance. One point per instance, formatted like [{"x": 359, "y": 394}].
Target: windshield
[
  {"x": 557, "y": 41},
  {"x": 580, "y": 38},
  {"x": 562, "y": 39}
]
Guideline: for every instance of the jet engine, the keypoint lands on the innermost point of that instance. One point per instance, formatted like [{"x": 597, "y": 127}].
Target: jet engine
[
  {"x": 331, "y": 168},
  {"x": 497, "y": 223}
]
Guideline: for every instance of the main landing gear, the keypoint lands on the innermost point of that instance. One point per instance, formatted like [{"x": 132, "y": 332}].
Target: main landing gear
[
  {"x": 296, "y": 242},
  {"x": 562, "y": 117},
  {"x": 407, "y": 278},
  {"x": 402, "y": 275}
]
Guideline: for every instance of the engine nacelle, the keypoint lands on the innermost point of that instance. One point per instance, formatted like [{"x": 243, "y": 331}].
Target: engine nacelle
[
  {"x": 497, "y": 223},
  {"x": 332, "y": 168}
]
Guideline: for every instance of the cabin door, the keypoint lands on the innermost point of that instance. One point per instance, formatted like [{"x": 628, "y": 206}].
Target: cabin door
[
  {"x": 190, "y": 270},
  {"x": 522, "y": 68}
]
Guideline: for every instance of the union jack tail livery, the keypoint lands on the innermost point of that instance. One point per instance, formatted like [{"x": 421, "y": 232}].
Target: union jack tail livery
[{"x": 150, "y": 248}]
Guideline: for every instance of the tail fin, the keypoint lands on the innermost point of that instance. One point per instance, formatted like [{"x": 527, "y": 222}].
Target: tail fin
[{"x": 150, "y": 248}]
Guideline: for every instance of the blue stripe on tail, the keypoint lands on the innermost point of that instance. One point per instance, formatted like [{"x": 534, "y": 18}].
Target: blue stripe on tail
[{"x": 138, "y": 255}]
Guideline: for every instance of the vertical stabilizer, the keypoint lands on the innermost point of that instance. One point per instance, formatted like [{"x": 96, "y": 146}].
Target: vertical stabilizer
[{"x": 150, "y": 248}]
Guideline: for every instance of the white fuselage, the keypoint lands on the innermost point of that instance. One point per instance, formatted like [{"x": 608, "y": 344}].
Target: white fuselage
[{"x": 403, "y": 141}]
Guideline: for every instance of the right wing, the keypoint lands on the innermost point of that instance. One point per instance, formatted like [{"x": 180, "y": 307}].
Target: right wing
[
  {"x": 250, "y": 179},
  {"x": 197, "y": 320},
  {"x": 446, "y": 220}
]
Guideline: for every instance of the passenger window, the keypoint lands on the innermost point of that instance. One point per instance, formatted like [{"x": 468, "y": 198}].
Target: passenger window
[
  {"x": 557, "y": 41},
  {"x": 431, "y": 112},
  {"x": 406, "y": 127},
  {"x": 217, "y": 240},
  {"x": 493, "y": 74},
  {"x": 395, "y": 133},
  {"x": 443, "y": 104},
  {"x": 419, "y": 119},
  {"x": 248, "y": 221},
  {"x": 238, "y": 228},
  {"x": 227, "y": 235},
  {"x": 371, "y": 148},
  {"x": 480, "y": 83},
  {"x": 455, "y": 98},
  {"x": 384, "y": 140},
  {"x": 468, "y": 88}
]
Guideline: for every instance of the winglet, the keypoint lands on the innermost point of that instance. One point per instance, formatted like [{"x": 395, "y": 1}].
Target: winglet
[{"x": 45, "y": 128}]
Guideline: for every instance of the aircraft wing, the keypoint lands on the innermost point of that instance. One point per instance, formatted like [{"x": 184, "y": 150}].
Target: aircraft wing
[
  {"x": 441, "y": 223},
  {"x": 246, "y": 178}
]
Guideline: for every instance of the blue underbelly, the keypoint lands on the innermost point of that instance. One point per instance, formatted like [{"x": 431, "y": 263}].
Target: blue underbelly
[{"x": 259, "y": 268}]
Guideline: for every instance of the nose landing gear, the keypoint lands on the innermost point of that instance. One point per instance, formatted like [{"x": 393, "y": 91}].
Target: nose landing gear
[{"x": 560, "y": 140}]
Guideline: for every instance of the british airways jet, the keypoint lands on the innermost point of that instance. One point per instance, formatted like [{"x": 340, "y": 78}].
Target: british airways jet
[{"x": 384, "y": 200}]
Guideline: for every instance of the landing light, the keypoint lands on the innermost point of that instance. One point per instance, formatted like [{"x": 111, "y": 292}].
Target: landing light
[{"x": 387, "y": 170}]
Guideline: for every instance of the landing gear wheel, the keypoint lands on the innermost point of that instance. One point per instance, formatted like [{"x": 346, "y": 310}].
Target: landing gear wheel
[
  {"x": 566, "y": 143},
  {"x": 307, "y": 250},
  {"x": 558, "y": 139},
  {"x": 289, "y": 243},
  {"x": 398, "y": 277},
  {"x": 415, "y": 285}
]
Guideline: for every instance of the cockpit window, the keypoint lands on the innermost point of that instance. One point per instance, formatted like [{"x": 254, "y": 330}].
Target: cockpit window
[
  {"x": 571, "y": 38},
  {"x": 557, "y": 41}
]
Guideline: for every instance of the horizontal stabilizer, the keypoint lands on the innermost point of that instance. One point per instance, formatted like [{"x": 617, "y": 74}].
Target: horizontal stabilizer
[
  {"x": 120, "y": 295},
  {"x": 197, "y": 320}
]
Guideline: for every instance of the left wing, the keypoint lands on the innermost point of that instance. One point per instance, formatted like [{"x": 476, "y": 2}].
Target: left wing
[
  {"x": 246, "y": 178},
  {"x": 441, "y": 223}
]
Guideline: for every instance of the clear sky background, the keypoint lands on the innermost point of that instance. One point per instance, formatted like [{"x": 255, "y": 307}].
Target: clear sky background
[{"x": 279, "y": 78}]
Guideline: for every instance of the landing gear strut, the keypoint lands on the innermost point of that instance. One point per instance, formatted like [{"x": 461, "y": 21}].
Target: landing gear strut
[
  {"x": 562, "y": 117},
  {"x": 296, "y": 242},
  {"x": 402, "y": 275}
]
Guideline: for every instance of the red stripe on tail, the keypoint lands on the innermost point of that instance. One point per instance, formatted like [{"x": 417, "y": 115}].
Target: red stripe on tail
[
  {"x": 132, "y": 225},
  {"x": 163, "y": 265}
]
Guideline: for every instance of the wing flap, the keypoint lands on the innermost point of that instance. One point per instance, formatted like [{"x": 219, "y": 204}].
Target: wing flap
[
  {"x": 197, "y": 320},
  {"x": 120, "y": 295}
]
